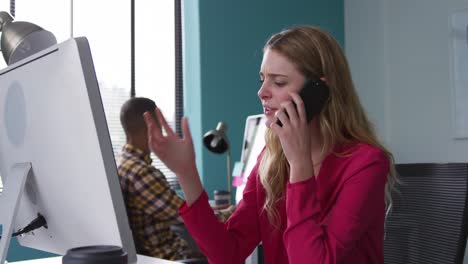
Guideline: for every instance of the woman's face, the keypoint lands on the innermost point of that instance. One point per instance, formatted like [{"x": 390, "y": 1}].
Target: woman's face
[{"x": 279, "y": 77}]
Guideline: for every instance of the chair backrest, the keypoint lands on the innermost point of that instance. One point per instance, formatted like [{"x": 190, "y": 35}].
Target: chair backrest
[{"x": 428, "y": 221}]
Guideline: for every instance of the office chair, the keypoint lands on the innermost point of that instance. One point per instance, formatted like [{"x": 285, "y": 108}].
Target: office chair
[
  {"x": 428, "y": 222},
  {"x": 183, "y": 232}
]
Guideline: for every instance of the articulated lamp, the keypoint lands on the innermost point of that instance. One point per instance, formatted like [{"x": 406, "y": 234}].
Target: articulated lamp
[
  {"x": 21, "y": 39},
  {"x": 216, "y": 141}
]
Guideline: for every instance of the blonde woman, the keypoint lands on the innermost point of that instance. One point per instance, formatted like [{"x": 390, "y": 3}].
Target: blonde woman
[{"x": 317, "y": 193}]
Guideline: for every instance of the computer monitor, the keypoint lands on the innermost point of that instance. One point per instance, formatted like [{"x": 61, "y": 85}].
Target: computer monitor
[
  {"x": 252, "y": 145},
  {"x": 52, "y": 119}
]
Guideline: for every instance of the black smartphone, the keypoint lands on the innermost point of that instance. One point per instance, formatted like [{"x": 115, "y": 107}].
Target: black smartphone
[{"x": 314, "y": 94}]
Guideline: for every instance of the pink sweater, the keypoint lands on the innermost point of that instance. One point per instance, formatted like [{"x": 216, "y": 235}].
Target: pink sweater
[{"x": 337, "y": 217}]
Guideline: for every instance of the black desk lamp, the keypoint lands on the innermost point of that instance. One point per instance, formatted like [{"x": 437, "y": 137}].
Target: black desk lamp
[
  {"x": 21, "y": 39},
  {"x": 216, "y": 141}
]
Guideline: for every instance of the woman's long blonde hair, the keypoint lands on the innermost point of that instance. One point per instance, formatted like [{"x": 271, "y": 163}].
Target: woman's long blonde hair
[{"x": 343, "y": 120}]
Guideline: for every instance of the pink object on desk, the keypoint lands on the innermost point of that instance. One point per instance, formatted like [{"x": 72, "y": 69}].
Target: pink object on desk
[{"x": 237, "y": 181}]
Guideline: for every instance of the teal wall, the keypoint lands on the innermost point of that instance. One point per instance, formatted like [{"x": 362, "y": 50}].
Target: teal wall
[
  {"x": 192, "y": 78},
  {"x": 18, "y": 252},
  {"x": 229, "y": 47}
]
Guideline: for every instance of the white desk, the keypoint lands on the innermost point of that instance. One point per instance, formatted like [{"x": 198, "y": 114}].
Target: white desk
[{"x": 58, "y": 260}]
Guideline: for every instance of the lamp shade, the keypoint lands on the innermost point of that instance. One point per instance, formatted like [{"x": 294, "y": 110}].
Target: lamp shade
[
  {"x": 216, "y": 140},
  {"x": 21, "y": 39}
]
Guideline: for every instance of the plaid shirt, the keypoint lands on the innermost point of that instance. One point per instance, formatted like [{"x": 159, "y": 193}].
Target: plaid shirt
[{"x": 152, "y": 206}]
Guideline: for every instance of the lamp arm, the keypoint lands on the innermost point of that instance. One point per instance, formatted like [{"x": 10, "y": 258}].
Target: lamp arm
[
  {"x": 228, "y": 160},
  {"x": 5, "y": 18}
]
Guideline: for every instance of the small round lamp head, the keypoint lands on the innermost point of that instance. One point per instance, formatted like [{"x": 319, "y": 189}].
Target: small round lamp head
[
  {"x": 21, "y": 39},
  {"x": 216, "y": 140}
]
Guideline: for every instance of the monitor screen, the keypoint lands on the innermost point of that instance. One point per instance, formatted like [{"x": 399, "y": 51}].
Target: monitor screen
[
  {"x": 52, "y": 117},
  {"x": 253, "y": 143}
]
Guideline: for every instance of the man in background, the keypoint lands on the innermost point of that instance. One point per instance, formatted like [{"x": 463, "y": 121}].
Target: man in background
[{"x": 152, "y": 206}]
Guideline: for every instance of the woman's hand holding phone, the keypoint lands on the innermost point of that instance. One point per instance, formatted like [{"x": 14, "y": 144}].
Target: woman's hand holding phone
[
  {"x": 294, "y": 136},
  {"x": 293, "y": 130},
  {"x": 314, "y": 94}
]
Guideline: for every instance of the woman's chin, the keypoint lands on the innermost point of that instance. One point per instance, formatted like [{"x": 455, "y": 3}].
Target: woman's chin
[{"x": 269, "y": 121}]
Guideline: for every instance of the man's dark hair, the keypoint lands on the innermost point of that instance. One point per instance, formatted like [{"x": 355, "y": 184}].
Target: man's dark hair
[{"x": 131, "y": 114}]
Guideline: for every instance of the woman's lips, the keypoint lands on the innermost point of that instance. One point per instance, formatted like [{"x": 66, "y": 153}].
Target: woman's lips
[{"x": 269, "y": 111}]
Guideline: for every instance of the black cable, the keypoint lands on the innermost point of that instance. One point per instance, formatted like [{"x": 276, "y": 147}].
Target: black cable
[{"x": 38, "y": 222}]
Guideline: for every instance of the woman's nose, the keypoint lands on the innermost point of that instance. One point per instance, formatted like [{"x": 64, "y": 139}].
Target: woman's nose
[{"x": 263, "y": 93}]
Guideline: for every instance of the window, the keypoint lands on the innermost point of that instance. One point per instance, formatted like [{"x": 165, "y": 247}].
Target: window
[
  {"x": 52, "y": 15},
  {"x": 154, "y": 61},
  {"x": 109, "y": 32}
]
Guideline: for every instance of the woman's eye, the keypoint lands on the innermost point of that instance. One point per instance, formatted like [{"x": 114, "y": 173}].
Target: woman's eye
[
  {"x": 261, "y": 81},
  {"x": 280, "y": 84}
]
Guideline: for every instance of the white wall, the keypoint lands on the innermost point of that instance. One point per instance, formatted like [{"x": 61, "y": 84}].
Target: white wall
[
  {"x": 399, "y": 52},
  {"x": 364, "y": 50}
]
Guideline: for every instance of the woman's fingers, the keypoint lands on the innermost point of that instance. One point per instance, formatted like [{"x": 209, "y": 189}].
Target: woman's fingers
[
  {"x": 291, "y": 111},
  {"x": 282, "y": 116},
  {"x": 299, "y": 106},
  {"x": 186, "y": 130},
  {"x": 164, "y": 123},
  {"x": 153, "y": 128}
]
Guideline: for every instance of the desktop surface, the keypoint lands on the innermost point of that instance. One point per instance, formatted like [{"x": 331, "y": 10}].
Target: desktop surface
[{"x": 58, "y": 260}]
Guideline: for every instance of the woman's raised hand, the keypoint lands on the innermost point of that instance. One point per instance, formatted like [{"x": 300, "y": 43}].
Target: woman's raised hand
[{"x": 176, "y": 152}]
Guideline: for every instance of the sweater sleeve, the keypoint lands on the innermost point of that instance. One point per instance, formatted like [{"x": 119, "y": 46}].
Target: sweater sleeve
[
  {"x": 359, "y": 201},
  {"x": 233, "y": 241}
]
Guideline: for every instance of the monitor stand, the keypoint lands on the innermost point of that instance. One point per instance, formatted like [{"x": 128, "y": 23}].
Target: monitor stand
[{"x": 9, "y": 202}]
